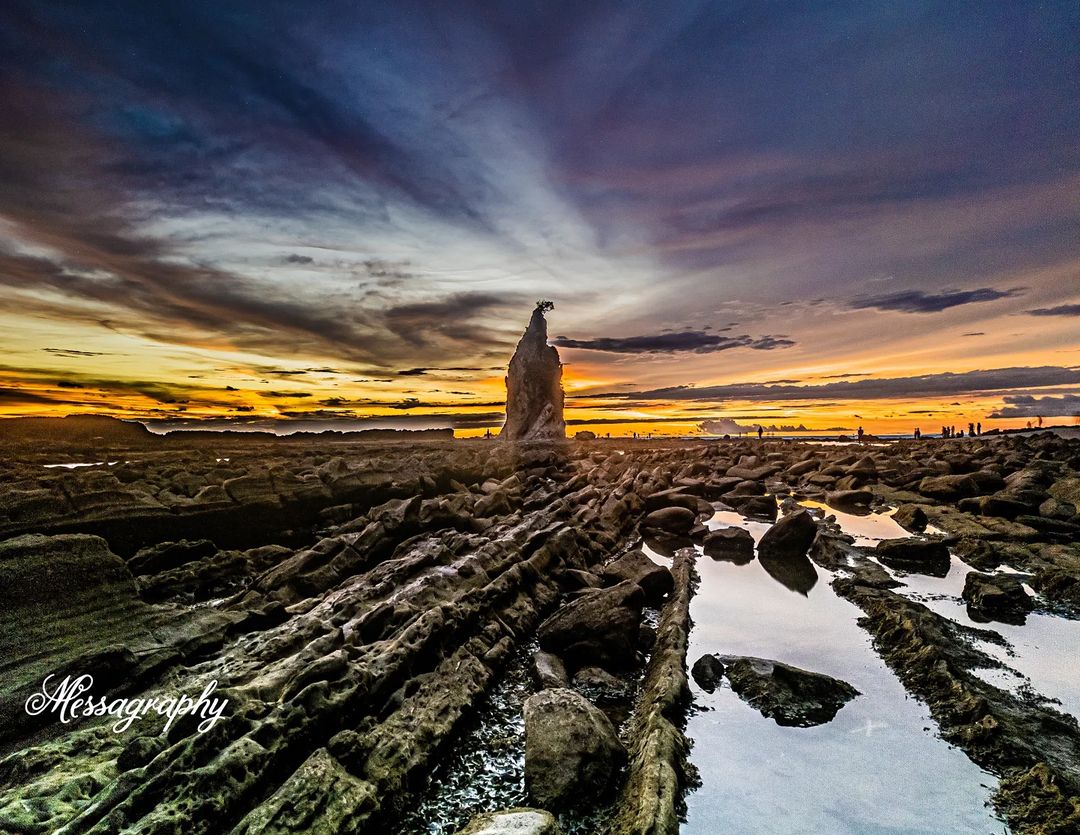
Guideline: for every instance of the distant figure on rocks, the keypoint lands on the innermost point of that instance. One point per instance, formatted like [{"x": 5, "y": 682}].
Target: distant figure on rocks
[
  {"x": 978, "y": 428},
  {"x": 760, "y": 432},
  {"x": 534, "y": 394},
  {"x": 918, "y": 433},
  {"x": 971, "y": 429},
  {"x": 860, "y": 434}
]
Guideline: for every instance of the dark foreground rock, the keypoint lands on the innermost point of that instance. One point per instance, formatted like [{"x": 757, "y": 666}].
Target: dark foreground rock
[
  {"x": 791, "y": 536},
  {"x": 600, "y": 627},
  {"x": 708, "y": 671},
  {"x": 572, "y": 753},
  {"x": 917, "y": 556},
  {"x": 788, "y": 695},
  {"x": 732, "y": 544},
  {"x": 997, "y": 597},
  {"x": 672, "y": 520},
  {"x": 635, "y": 566}
]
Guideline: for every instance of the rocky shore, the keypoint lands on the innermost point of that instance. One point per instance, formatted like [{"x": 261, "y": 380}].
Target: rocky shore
[{"x": 355, "y": 602}]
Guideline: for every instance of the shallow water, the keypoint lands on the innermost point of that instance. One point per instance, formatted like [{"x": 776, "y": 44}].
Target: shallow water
[
  {"x": 1041, "y": 655},
  {"x": 876, "y": 768},
  {"x": 77, "y": 465},
  {"x": 1042, "y": 651}
]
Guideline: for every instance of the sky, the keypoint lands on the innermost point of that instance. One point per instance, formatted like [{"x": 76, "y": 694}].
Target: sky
[{"x": 280, "y": 215}]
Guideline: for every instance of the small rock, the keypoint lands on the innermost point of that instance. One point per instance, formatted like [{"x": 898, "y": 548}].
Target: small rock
[
  {"x": 655, "y": 580},
  {"x": 549, "y": 670},
  {"x": 918, "y": 556},
  {"x": 792, "y": 535},
  {"x": 676, "y": 520},
  {"x": 996, "y": 597},
  {"x": 849, "y": 498},
  {"x": 707, "y": 672},
  {"x": 733, "y": 544},
  {"x": 911, "y": 517}
]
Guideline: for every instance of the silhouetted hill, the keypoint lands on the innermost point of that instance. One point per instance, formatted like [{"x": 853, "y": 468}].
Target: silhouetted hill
[{"x": 72, "y": 429}]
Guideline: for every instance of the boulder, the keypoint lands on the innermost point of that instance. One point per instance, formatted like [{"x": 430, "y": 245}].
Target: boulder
[
  {"x": 600, "y": 627},
  {"x": 917, "y": 556},
  {"x": 707, "y": 672},
  {"x": 788, "y": 695},
  {"x": 791, "y": 536},
  {"x": 996, "y": 597},
  {"x": 911, "y": 517},
  {"x": 572, "y": 753},
  {"x": 849, "y": 498},
  {"x": 948, "y": 488},
  {"x": 534, "y": 394},
  {"x": 518, "y": 821},
  {"x": 733, "y": 544},
  {"x": 655, "y": 580},
  {"x": 675, "y": 520},
  {"x": 762, "y": 507}
]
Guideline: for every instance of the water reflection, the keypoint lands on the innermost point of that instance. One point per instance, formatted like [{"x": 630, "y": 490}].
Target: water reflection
[
  {"x": 795, "y": 572},
  {"x": 840, "y": 777}
]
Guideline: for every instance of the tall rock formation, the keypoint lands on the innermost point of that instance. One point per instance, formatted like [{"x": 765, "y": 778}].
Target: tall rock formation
[{"x": 534, "y": 395}]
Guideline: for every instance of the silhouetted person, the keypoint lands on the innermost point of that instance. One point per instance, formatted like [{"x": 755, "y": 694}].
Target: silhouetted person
[
  {"x": 918, "y": 433},
  {"x": 760, "y": 432},
  {"x": 978, "y": 428},
  {"x": 971, "y": 430},
  {"x": 1039, "y": 419},
  {"x": 961, "y": 434},
  {"x": 860, "y": 434}
]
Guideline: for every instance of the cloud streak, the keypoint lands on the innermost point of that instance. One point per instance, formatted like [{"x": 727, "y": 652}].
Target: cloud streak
[
  {"x": 923, "y": 385},
  {"x": 697, "y": 342},
  {"x": 918, "y": 301}
]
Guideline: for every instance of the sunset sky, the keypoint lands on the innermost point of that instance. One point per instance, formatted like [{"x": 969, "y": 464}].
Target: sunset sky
[{"x": 266, "y": 214}]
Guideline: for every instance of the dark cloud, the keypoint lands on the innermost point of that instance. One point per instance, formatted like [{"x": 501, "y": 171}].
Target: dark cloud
[
  {"x": 285, "y": 395},
  {"x": 293, "y": 258},
  {"x": 71, "y": 353},
  {"x": 698, "y": 342},
  {"x": 974, "y": 333},
  {"x": 917, "y": 301},
  {"x": 1059, "y": 310},
  {"x": 925, "y": 385},
  {"x": 1028, "y": 406}
]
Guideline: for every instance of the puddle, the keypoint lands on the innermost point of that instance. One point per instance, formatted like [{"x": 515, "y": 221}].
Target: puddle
[
  {"x": 876, "y": 768},
  {"x": 76, "y": 465},
  {"x": 1043, "y": 649}
]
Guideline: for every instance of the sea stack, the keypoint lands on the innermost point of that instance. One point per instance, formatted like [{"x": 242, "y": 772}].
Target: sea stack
[{"x": 534, "y": 395}]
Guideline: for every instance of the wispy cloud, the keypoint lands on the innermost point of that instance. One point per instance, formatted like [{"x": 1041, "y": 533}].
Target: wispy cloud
[
  {"x": 923, "y": 385},
  {"x": 1059, "y": 310}
]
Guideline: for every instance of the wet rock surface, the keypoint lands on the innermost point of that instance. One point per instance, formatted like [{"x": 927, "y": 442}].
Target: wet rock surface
[
  {"x": 788, "y": 695},
  {"x": 572, "y": 753},
  {"x": 358, "y": 602}
]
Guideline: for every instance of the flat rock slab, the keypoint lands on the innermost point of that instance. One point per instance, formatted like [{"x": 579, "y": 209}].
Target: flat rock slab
[
  {"x": 513, "y": 822},
  {"x": 788, "y": 695}
]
